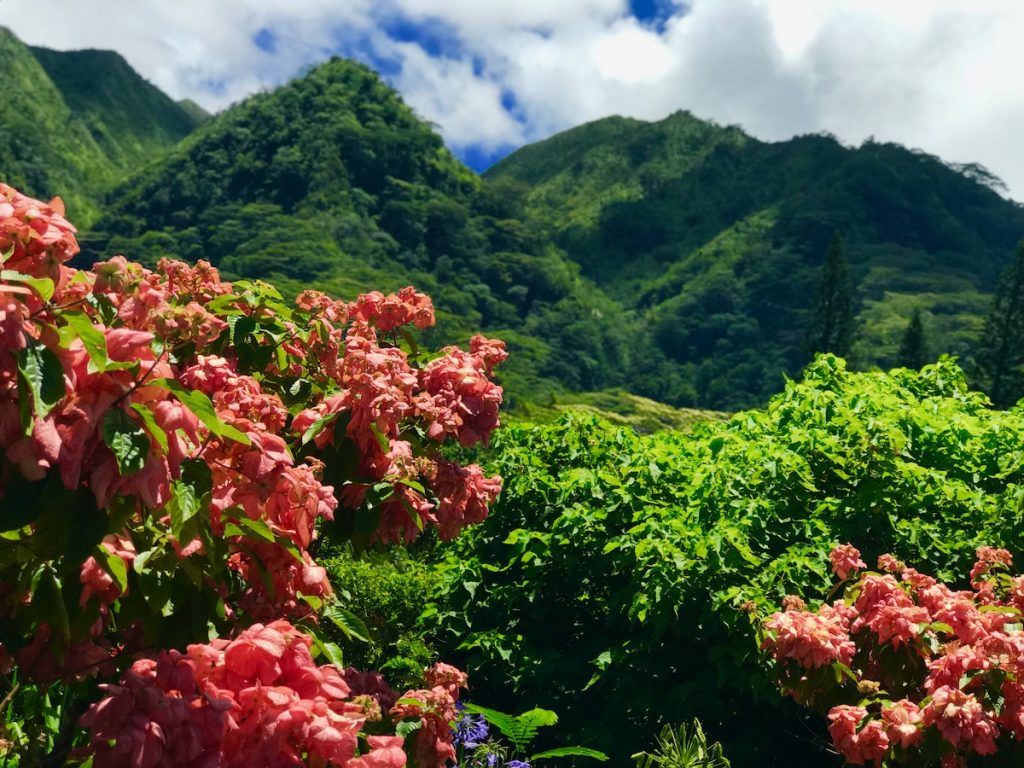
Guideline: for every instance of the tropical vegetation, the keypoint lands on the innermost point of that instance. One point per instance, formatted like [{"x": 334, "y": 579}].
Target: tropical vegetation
[{"x": 256, "y": 507}]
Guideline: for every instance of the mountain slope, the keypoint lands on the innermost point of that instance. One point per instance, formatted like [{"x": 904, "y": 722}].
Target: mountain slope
[
  {"x": 676, "y": 259},
  {"x": 716, "y": 239},
  {"x": 74, "y": 123},
  {"x": 129, "y": 118},
  {"x": 332, "y": 181}
]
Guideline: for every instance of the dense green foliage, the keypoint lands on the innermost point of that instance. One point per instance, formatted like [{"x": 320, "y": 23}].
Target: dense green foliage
[
  {"x": 619, "y": 579},
  {"x": 74, "y": 123},
  {"x": 1001, "y": 357},
  {"x": 384, "y": 590},
  {"x": 716, "y": 240},
  {"x": 914, "y": 347}
]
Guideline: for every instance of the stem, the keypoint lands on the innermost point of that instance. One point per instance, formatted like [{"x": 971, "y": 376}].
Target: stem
[{"x": 140, "y": 381}]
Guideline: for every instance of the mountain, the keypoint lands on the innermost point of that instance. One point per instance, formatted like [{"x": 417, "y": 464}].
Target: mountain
[
  {"x": 675, "y": 260},
  {"x": 199, "y": 115},
  {"x": 715, "y": 240},
  {"x": 332, "y": 181},
  {"x": 73, "y": 123}
]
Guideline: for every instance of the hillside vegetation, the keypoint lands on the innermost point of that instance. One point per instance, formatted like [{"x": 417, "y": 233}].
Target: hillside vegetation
[
  {"x": 675, "y": 260},
  {"x": 715, "y": 240},
  {"x": 622, "y": 579},
  {"x": 333, "y": 181},
  {"x": 74, "y": 123}
]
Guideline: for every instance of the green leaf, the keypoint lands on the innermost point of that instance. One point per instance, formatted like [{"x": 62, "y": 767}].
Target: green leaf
[
  {"x": 92, "y": 338},
  {"x": 519, "y": 729},
  {"x": 113, "y": 565},
  {"x": 155, "y": 430},
  {"x": 41, "y": 285},
  {"x": 347, "y": 622},
  {"x": 183, "y": 505},
  {"x": 258, "y": 529},
  {"x": 200, "y": 405},
  {"x": 317, "y": 427},
  {"x": 569, "y": 752},
  {"x": 41, "y": 373},
  {"x": 48, "y": 600},
  {"x": 407, "y": 727},
  {"x": 126, "y": 439}
]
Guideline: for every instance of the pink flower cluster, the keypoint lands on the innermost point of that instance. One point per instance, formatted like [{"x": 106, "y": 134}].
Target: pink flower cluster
[
  {"x": 452, "y": 395},
  {"x": 917, "y": 655},
  {"x": 170, "y": 399},
  {"x": 258, "y": 701}
]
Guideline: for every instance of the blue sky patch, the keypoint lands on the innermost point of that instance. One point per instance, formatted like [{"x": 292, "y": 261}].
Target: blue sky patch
[
  {"x": 479, "y": 159},
  {"x": 435, "y": 37},
  {"x": 654, "y": 13},
  {"x": 265, "y": 39}
]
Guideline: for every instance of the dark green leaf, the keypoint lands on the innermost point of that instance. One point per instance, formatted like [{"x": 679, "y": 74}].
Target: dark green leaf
[
  {"x": 154, "y": 429},
  {"x": 42, "y": 375},
  {"x": 126, "y": 440},
  {"x": 347, "y": 622}
]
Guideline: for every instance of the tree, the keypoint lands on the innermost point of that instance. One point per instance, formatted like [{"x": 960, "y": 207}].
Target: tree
[
  {"x": 913, "y": 349},
  {"x": 831, "y": 325},
  {"x": 1001, "y": 356}
]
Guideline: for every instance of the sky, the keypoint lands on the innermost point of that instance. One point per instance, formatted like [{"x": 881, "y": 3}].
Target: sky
[{"x": 939, "y": 75}]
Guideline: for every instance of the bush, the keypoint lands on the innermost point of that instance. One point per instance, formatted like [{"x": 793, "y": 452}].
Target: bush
[
  {"x": 911, "y": 672},
  {"x": 622, "y": 579},
  {"x": 386, "y": 590},
  {"x": 171, "y": 448}
]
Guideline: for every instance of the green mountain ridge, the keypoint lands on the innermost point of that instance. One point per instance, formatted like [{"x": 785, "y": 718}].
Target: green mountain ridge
[
  {"x": 73, "y": 123},
  {"x": 675, "y": 259},
  {"x": 715, "y": 240},
  {"x": 331, "y": 181}
]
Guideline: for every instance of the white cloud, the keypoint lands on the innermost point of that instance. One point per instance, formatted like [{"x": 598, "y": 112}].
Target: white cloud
[
  {"x": 467, "y": 108},
  {"x": 936, "y": 74}
]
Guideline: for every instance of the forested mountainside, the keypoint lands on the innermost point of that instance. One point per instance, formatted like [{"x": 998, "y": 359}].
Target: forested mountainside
[
  {"x": 715, "y": 241},
  {"x": 332, "y": 181},
  {"x": 75, "y": 123},
  {"x": 677, "y": 260}
]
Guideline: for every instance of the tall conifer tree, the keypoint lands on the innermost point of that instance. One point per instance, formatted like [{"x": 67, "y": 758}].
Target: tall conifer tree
[
  {"x": 831, "y": 327},
  {"x": 913, "y": 349},
  {"x": 1001, "y": 354}
]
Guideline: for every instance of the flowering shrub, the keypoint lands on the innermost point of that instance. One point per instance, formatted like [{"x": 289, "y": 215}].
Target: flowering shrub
[
  {"x": 172, "y": 445},
  {"x": 914, "y": 672}
]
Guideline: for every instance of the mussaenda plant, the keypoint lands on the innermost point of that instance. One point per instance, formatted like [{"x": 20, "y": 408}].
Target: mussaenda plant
[
  {"x": 172, "y": 446},
  {"x": 910, "y": 671}
]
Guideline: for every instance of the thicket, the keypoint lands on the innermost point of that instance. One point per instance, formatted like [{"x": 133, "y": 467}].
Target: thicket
[{"x": 621, "y": 579}]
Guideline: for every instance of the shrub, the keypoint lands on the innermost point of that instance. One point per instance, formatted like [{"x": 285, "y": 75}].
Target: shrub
[
  {"x": 916, "y": 673},
  {"x": 172, "y": 446},
  {"x": 623, "y": 579},
  {"x": 386, "y": 591},
  {"x": 683, "y": 747}
]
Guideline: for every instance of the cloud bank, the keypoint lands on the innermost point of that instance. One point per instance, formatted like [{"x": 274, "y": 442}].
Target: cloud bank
[{"x": 940, "y": 75}]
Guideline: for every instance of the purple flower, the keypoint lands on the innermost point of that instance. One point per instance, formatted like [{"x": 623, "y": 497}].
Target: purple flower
[
  {"x": 517, "y": 764},
  {"x": 492, "y": 760},
  {"x": 470, "y": 730}
]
